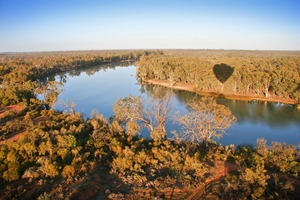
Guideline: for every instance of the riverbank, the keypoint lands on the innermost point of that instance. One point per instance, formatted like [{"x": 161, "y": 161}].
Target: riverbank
[{"x": 242, "y": 97}]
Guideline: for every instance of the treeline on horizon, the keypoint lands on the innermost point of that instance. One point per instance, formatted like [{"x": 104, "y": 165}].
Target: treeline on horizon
[{"x": 256, "y": 73}]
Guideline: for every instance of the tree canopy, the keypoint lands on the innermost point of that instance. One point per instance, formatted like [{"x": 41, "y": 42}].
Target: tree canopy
[{"x": 252, "y": 73}]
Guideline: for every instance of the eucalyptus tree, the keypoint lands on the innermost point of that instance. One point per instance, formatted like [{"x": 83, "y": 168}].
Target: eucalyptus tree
[
  {"x": 132, "y": 112},
  {"x": 205, "y": 120}
]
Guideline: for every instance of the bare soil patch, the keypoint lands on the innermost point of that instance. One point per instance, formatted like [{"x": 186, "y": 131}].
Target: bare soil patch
[
  {"x": 219, "y": 172},
  {"x": 7, "y": 109}
]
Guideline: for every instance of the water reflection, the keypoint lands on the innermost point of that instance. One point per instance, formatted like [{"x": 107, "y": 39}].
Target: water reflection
[
  {"x": 256, "y": 112},
  {"x": 273, "y": 114},
  {"x": 97, "y": 88}
]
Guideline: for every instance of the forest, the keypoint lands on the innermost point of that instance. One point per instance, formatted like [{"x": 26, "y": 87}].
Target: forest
[
  {"x": 49, "y": 154},
  {"x": 263, "y": 75}
]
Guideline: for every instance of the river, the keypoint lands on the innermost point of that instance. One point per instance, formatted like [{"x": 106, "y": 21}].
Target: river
[{"x": 98, "y": 87}]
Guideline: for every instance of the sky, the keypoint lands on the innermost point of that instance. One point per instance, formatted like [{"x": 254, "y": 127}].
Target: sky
[{"x": 59, "y": 25}]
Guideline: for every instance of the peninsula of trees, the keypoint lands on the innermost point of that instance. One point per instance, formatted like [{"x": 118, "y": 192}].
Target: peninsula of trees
[{"x": 262, "y": 75}]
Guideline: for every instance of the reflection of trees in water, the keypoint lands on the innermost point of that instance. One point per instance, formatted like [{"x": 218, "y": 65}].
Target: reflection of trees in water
[
  {"x": 93, "y": 69},
  {"x": 154, "y": 91},
  {"x": 90, "y": 70},
  {"x": 184, "y": 96},
  {"x": 272, "y": 114},
  {"x": 61, "y": 78}
]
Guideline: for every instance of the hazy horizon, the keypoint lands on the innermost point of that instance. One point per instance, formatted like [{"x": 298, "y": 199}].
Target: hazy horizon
[
  {"x": 86, "y": 50},
  {"x": 39, "y": 26}
]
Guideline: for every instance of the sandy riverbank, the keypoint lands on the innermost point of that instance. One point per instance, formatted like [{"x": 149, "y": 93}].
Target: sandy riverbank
[{"x": 243, "y": 97}]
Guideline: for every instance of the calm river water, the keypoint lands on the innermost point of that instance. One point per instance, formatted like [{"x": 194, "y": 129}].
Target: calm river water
[{"x": 97, "y": 88}]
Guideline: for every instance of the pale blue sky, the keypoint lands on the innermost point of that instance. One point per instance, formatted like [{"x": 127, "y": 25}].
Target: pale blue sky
[{"x": 50, "y": 25}]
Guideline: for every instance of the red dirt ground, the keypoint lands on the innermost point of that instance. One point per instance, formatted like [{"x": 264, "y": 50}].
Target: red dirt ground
[
  {"x": 16, "y": 108},
  {"x": 220, "y": 171}
]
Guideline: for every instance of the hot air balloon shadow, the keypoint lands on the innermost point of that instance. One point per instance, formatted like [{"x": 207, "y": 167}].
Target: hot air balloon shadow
[{"x": 223, "y": 72}]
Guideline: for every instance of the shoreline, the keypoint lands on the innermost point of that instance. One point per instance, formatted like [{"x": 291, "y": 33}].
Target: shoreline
[{"x": 192, "y": 88}]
